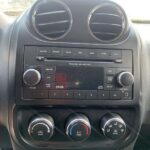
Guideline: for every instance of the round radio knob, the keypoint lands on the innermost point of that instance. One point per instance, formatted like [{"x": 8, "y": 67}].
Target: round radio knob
[
  {"x": 113, "y": 126},
  {"x": 78, "y": 128},
  {"x": 41, "y": 128},
  {"x": 31, "y": 77},
  {"x": 125, "y": 79}
]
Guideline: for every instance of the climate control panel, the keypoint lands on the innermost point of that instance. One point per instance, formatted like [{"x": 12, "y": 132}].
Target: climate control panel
[
  {"x": 46, "y": 126},
  {"x": 77, "y": 127}
]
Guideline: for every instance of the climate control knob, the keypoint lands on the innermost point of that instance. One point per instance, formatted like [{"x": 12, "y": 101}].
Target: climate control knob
[
  {"x": 31, "y": 77},
  {"x": 41, "y": 128},
  {"x": 78, "y": 127},
  {"x": 113, "y": 126},
  {"x": 125, "y": 79}
]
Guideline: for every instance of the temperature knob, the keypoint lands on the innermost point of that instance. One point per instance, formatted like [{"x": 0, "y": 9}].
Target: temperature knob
[
  {"x": 78, "y": 127},
  {"x": 31, "y": 77},
  {"x": 41, "y": 128},
  {"x": 113, "y": 126},
  {"x": 125, "y": 79}
]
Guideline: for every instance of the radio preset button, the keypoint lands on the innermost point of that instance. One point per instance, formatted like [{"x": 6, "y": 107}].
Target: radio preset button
[
  {"x": 43, "y": 51},
  {"x": 81, "y": 53},
  {"x": 67, "y": 94},
  {"x": 56, "y": 52},
  {"x": 91, "y": 94},
  {"x": 116, "y": 54},
  {"x": 68, "y": 53},
  {"x": 79, "y": 94},
  {"x": 40, "y": 94},
  {"x": 103, "y": 95},
  {"x": 115, "y": 95},
  {"x": 92, "y": 54},
  {"x": 61, "y": 94},
  {"x": 105, "y": 54},
  {"x": 54, "y": 94},
  {"x": 35, "y": 94}
]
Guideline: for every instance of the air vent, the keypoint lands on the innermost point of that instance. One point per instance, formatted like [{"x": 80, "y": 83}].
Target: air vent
[
  {"x": 52, "y": 19},
  {"x": 107, "y": 22}
]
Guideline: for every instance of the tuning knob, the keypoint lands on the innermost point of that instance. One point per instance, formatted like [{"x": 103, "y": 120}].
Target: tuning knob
[
  {"x": 113, "y": 126},
  {"x": 41, "y": 128},
  {"x": 78, "y": 128},
  {"x": 31, "y": 77},
  {"x": 125, "y": 79}
]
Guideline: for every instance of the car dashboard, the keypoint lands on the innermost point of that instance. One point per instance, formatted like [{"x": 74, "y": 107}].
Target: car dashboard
[{"x": 74, "y": 76}]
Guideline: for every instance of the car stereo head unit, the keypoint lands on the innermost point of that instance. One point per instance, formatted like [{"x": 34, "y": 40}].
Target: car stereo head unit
[{"x": 87, "y": 79}]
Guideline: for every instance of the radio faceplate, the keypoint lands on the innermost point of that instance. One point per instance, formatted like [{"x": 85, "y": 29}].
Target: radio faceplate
[{"x": 55, "y": 77}]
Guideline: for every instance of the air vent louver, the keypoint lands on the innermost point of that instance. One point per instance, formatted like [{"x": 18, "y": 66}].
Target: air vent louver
[
  {"x": 52, "y": 19},
  {"x": 107, "y": 22}
]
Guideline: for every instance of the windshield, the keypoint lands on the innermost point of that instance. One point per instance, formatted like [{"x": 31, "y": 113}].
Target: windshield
[
  {"x": 138, "y": 10},
  {"x": 14, "y": 7}
]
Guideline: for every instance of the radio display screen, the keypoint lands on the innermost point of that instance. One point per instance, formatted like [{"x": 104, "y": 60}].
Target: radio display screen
[{"x": 79, "y": 78}]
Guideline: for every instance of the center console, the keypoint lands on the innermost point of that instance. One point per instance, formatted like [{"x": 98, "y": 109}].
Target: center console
[
  {"x": 78, "y": 90},
  {"x": 82, "y": 85}
]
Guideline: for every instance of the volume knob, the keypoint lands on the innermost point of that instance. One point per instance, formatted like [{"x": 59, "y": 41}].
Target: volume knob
[
  {"x": 31, "y": 77},
  {"x": 125, "y": 79}
]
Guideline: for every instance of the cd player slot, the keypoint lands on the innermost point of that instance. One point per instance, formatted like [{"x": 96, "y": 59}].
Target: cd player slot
[{"x": 44, "y": 59}]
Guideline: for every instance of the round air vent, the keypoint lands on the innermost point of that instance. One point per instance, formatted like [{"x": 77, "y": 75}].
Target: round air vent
[
  {"x": 107, "y": 22},
  {"x": 51, "y": 19}
]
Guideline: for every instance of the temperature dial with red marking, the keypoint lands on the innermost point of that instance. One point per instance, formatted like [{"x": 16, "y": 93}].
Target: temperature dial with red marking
[{"x": 78, "y": 128}]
